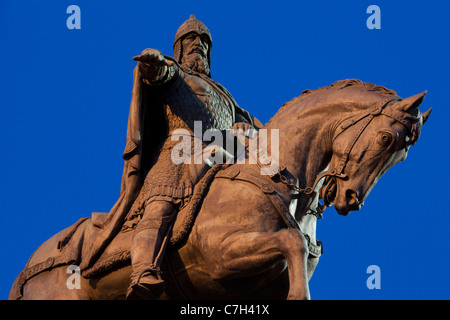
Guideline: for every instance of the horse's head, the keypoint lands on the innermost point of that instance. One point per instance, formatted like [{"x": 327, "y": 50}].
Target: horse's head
[{"x": 366, "y": 145}]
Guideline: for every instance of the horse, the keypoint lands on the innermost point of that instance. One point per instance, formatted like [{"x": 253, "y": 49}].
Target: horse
[{"x": 254, "y": 235}]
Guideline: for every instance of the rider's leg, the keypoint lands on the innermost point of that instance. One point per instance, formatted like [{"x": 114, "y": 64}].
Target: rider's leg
[{"x": 147, "y": 249}]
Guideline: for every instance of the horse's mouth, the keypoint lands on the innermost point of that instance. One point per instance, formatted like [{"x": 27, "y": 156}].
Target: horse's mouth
[
  {"x": 328, "y": 191},
  {"x": 350, "y": 202}
]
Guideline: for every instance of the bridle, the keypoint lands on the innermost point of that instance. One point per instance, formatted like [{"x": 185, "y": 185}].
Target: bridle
[{"x": 363, "y": 119}]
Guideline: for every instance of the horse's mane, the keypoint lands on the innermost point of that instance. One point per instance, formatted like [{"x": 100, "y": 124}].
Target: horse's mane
[
  {"x": 341, "y": 84},
  {"x": 370, "y": 87},
  {"x": 338, "y": 85}
]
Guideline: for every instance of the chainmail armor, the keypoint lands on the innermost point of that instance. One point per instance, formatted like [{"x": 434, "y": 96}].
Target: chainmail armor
[{"x": 187, "y": 98}]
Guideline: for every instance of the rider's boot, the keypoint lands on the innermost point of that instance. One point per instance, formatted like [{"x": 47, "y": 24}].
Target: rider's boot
[{"x": 147, "y": 249}]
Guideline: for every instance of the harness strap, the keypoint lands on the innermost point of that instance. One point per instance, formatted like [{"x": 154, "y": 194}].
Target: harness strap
[
  {"x": 277, "y": 200},
  {"x": 352, "y": 143},
  {"x": 366, "y": 119},
  {"x": 267, "y": 189},
  {"x": 59, "y": 259},
  {"x": 30, "y": 272}
]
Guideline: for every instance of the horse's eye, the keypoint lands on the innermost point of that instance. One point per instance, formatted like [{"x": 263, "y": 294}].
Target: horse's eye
[{"x": 384, "y": 139}]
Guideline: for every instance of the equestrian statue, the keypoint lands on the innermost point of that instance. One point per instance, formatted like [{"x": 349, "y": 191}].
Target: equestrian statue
[{"x": 198, "y": 220}]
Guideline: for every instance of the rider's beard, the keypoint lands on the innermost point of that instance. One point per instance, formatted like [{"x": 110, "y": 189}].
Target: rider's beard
[{"x": 195, "y": 62}]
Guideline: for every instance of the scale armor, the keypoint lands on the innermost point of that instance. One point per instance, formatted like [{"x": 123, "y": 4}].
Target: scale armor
[{"x": 205, "y": 105}]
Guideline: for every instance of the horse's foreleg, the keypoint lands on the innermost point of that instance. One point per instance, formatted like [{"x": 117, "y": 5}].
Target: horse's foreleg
[{"x": 246, "y": 253}]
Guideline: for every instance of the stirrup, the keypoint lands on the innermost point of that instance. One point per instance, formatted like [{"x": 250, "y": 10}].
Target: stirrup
[
  {"x": 147, "y": 290},
  {"x": 155, "y": 272}
]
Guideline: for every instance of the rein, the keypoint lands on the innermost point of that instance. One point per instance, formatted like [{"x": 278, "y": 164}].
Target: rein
[
  {"x": 366, "y": 119},
  {"x": 338, "y": 172}
]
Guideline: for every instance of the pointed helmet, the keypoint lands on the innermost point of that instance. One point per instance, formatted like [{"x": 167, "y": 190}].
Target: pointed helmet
[{"x": 190, "y": 25}]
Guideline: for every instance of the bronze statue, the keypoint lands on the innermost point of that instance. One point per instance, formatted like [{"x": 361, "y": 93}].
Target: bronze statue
[{"x": 229, "y": 231}]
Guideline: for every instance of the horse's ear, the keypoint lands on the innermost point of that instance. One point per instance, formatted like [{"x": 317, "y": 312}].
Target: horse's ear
[
  {"x": 412, "y": 102},
  {"x": 425, "y": 115}
]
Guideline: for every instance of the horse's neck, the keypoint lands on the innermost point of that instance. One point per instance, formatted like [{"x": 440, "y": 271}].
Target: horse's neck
[{"x": 304, "y": 145}]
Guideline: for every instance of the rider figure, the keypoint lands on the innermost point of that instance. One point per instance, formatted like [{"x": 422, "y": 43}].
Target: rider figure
[{"x": 188, "y": 94}]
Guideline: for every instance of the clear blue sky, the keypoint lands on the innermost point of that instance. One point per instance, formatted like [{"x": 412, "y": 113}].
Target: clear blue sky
[{"x": 64, "y": 105}]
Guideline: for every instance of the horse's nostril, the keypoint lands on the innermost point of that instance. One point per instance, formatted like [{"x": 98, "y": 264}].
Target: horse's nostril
[{"x": 352, "y": 197}]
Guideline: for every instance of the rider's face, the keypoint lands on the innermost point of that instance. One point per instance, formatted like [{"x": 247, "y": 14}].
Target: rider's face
[{"x": 193, "y": 43}]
